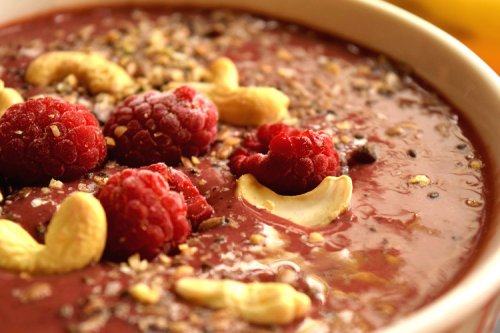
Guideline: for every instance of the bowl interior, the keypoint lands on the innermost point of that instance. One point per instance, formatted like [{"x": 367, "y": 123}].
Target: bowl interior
[{"x": 450, "y": 67}]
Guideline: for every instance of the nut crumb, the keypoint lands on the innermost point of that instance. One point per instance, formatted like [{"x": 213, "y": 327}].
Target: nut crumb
[
  {"x": 110, "y": 141},
  {"x": 475, "y": 164},
  {"x": 257, "y": 239},
  {"x": 119, "y": 131},
  {"x": 37, "y": 291},
  {"x": 211, "y": 223},
  {"x": 56, "y": 184},
  {"x": 55, "y": 131},
  {"x": 143, "y": 293},
  {"x": 183, "y": 271},
  {"x": 420, "y": 180},
  {"x": 316, "y": 237}
]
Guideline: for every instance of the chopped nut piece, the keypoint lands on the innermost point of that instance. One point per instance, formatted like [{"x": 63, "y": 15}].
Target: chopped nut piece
[
  {"x": 257, "y": 239},
  {"x": 187, "y": 162},
  {"x": 187, "y": 250},
  {"x": 100, "y": 180},
  {"x": 165, "y": 260},
  {"x": 316, "y": 237},
  {"x": 112, "y": 288},
  {"x": 333, "y": 68},
  {"x": 135, "y": 262},
  {"x": 120, "y": 130},
  {"x": 344, "y": 125},
  {"x": 56, "y": 184},
  {"x": 183, "y": 271},
  {"x": 475, "y": 164},
  {"x": 211, "y": 223},
  {"x": 35, "y": 292},
  {"x": 345, "y": 139},
  {"x": 86, "y": 187},
  {"x": 110, "y": 141},
  {"x": 395, "y": 131},
  {"x": 473, "y": 203},
  {"x": 55, "y": 131},
  {"x": 143, "y": 293},
  {"x": 195, "y": 160},
  {"x": 286, "y": 72},
  {"x": 420, "y": 180},
  {"x": 284, "y": 55},
  {"x": 66, "y": 311},
  {"x": 287, "y": 275}
]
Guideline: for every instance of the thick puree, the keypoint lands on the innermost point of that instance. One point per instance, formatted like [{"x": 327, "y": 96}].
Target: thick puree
[{"x": 398, "y": 247}]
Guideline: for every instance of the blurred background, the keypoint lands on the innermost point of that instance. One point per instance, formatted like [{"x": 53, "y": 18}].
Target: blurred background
[{"x": 475, "y": 22}]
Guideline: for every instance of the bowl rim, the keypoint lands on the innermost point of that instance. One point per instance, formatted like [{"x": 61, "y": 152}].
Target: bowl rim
[{"x": 478, "y": 285}]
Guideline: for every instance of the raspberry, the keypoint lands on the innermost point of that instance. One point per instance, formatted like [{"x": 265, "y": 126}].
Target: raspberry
[
  {"x": 161, "y": 127},
  {"x": 49, "y": 138},
  {"x": 288, "y": 161},
  {"x": 198, "y": 209},
  {"x": 144, "y": 216}
]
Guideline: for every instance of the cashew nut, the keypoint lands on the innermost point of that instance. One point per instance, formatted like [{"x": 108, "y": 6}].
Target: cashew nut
[
  {"x": 240, "y": 105},
  {"x": 75, "y": 237},
  {"x": 94, "y": 71},
  {"x": 8, "y": 97},
  {"x": 265, "y": 303},
  {"x": 315, "y": 208}
]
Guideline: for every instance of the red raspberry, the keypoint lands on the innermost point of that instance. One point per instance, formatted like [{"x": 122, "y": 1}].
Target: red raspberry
[
  {"x": 260, "y": 140},
  {"x": 198, "y": 209},
  {"x": 144, "y": 216},
  {"x": 162, "y": 127},
  {"x": 49, "y": 138},
  {"x": 287, "y": 160}
]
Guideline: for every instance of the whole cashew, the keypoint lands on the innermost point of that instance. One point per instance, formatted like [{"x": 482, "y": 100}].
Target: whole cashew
[
  {"x": 240, "y": 105},
  {"x": 8, "y": 97},
  {"x": 94, "y": 71},
  {"x": 315, "y": 208},
  {"x": 266, "y": 303},
  {"x": 75, "y": 237}
]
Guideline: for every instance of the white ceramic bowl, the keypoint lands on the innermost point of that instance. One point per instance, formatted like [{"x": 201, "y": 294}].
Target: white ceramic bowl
[{"x": 438, "y": 58}]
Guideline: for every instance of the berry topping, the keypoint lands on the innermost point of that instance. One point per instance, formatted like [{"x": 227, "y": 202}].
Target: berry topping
[
  {"x": 287, "y": 160},
  {"x": 198, "y": 210},
  {"x": 49, "y": 138},
  {"x": 144, "y": 216},
  {"x": 161, "y": 127}
]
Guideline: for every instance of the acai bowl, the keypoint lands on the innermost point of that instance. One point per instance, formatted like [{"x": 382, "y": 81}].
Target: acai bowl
[{"x": 407, "y": 242}]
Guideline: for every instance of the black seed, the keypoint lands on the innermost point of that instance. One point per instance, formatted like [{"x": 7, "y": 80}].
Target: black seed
[
  {"x": 214, "y": 33},
  {"x": 412, "y": 153},
  {"x": 433, "y": 195},
  {"x": 205, "y": 266},
  {"x": 359, "y": 136},
  {"x": 365, "y": 154}
]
